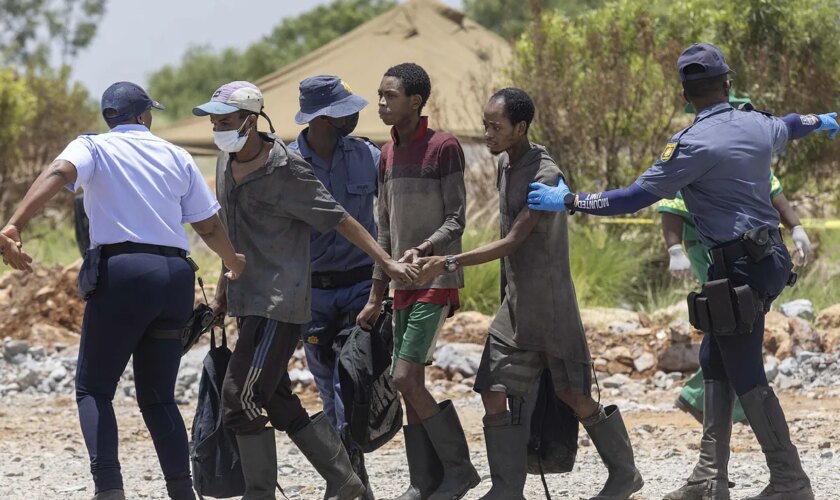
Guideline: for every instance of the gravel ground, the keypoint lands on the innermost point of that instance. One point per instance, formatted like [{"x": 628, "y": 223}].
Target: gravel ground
[{"x": 44, "y": 456}]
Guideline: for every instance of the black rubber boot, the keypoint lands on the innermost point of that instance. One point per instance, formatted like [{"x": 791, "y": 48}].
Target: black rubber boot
[
  {"x": 110, "y": 495},
  {"x": 788, "y": 480},
  {"x": 507, "y": 454},
  {"x": 424, "y": 468},
  {"x": 450, "y": 443},
  {"x": 258, "y": 453},
  {"x": 710, "y": 478},
  {"x": 357, "y": 461},
  {"x": 609, "y": 435},
  {"x": 320, "y": 444}
]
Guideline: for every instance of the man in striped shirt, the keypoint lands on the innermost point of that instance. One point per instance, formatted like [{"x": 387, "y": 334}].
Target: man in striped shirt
[{"x": 422, "y": 202}]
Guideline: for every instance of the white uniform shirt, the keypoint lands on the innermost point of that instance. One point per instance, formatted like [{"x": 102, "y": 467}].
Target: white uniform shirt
[{"x": 138, "y": 187}]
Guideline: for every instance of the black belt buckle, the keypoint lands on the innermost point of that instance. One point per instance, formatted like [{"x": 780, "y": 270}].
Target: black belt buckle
[{"x": 322, "y": 281}]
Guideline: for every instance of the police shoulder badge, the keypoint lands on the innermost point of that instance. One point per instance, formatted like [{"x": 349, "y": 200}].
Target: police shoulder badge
[{"x": 669, "y": 151}]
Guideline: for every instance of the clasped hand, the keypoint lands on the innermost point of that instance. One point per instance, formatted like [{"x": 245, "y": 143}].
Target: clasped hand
[{"x": 12, "y": 249}]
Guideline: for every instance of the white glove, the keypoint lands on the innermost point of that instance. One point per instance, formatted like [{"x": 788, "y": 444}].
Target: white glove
[
  {"x": 679, "y": 266},
  {"x": 803, "y": 246}
]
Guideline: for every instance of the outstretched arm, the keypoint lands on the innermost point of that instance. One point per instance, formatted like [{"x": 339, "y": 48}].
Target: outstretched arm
[
  {"x": 801, "y": 125},
  {"x": 618, "y": 201}
]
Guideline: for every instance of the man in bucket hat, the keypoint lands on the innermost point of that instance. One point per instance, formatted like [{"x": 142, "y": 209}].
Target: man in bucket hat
[
  {"x": 341, "y": 272},
  {"x": 271, "y": 201}
]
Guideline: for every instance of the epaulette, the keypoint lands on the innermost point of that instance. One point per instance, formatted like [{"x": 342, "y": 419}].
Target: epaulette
[
  {"x": 747, "y": 106},
  {"x": 363, "y": 139}
]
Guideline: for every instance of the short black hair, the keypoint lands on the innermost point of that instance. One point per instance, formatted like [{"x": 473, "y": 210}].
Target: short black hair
[
  {"x": 517, "y": 104},
  {"x": 415, "y": 81},
  {"x": 698, "y": 89},
  {"x": 109, "y": 114}
]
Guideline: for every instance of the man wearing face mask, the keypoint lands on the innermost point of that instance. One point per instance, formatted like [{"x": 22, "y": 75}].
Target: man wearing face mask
[
  {"x": 341, "y": 272},
  {"x": 271, "y": 201}
]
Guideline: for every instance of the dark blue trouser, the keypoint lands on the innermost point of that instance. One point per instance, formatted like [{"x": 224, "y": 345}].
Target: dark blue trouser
[
  {"x": 739, "y": 358},
  {"x": 135, "y": 291},
  {"x": 333, "y": 310}
]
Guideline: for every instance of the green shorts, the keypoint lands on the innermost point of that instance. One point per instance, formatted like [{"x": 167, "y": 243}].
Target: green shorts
[{"x": 416, "y": 330}]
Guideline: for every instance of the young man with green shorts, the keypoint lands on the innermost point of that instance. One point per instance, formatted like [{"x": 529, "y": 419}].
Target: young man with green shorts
[{"x": 422, "y": 204}]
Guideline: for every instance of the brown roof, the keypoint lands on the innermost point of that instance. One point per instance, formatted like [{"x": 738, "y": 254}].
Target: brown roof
[{"x": 462, "y": 58}]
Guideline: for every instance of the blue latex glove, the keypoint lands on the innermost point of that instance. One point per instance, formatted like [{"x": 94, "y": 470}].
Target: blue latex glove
[
  {"x": 543, "y": 197},
  {"x": 828, "y": 122}
]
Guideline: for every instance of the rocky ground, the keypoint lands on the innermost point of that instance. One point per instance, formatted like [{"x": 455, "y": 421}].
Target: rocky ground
[
  {"x": 640, "y": 359},
  {"x": 45, "y": 458}
]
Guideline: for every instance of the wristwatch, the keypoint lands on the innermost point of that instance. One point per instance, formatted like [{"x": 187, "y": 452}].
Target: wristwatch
[{"x": 450, "y": 265}]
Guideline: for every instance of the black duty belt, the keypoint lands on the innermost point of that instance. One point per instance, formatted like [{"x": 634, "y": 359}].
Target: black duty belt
[
  {"x": 342, "y": 279},
  {"x": 131, "y": 247},
  {"x": 735, "y": 249}
]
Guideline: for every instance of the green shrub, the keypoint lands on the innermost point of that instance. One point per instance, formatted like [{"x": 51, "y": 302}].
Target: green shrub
[
  {"x": 818, "y": 282},
  {"x": 481, "y": 287}
]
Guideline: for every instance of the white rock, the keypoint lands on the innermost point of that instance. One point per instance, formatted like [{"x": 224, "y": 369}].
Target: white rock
[
  {"x": 304, "y": 377},
  {"x": 784, "y": 382},
  {"x": 27, "y": 379},
  {"x": 58, "y": 374},
  {"x": 615, "y": 381},
  {"x": 620, "y": 328},
  {"x": 12, "y": 348},
  {"x": 788, "y": 366},
  {"x": 458, "y": 358},
  {"x": 771, "y": 368},
  {"x": 801, "y": 308},
  {"x": 644, "y": 362}
]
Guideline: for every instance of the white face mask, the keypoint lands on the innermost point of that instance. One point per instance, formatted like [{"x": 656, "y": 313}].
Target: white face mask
[{"x": 230, "y": 141}]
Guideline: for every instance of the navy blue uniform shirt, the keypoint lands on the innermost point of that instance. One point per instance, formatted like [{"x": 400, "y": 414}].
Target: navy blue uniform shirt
[
  {"x": 351, "y": 178},
  {"x": 721, "y": 163}
]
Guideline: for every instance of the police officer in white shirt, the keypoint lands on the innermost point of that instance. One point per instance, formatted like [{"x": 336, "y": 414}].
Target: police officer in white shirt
[{"x": 139, "y": 192}]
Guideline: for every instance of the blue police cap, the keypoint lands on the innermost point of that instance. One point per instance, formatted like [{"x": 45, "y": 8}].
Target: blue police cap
[
  {"x": 326, "y": 95},
  {"x": 123, "y": 101},
  {"x": 706, "y": 55}
]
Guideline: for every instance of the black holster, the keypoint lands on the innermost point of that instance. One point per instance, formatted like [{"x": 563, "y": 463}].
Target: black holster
[
  {"x": 722, "y": 309},
  {"x": 198, "y": 323},
  {"x": 89, "y": 273}
]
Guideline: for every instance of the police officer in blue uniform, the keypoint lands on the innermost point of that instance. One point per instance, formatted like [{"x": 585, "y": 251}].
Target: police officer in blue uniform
[
  {"x": 341, "y": 272},
  {"x": 140, "y": 191},
  {"x": 721, "y": 164}
]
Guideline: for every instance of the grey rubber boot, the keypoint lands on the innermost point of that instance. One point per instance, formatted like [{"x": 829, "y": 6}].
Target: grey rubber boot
[
  {"x": 320, "y": 444},
  {"x": 787, "y": 479},
  {"x": 424, "y": 468},
  {"x": 450, "y": 443},
  {"x": 710, "y": 478},
  {"x": 258, "y": 453},
  {"x": 110, "y": 495},
  {"x": 609, "y": 435},
  {"x": 507, "y": 454}
]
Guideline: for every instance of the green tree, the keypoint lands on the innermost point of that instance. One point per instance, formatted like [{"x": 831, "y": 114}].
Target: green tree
[
  {"x": 786, "y": 54},
  {"x": 608, "y": 96},
  {"x": 510, "y": 18},
  {"x": 34, "y": 31},
  {"x": 604, "y": 90},
  {"x": 202, "y": 70},
  {"x": 16, "y": 109}
]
